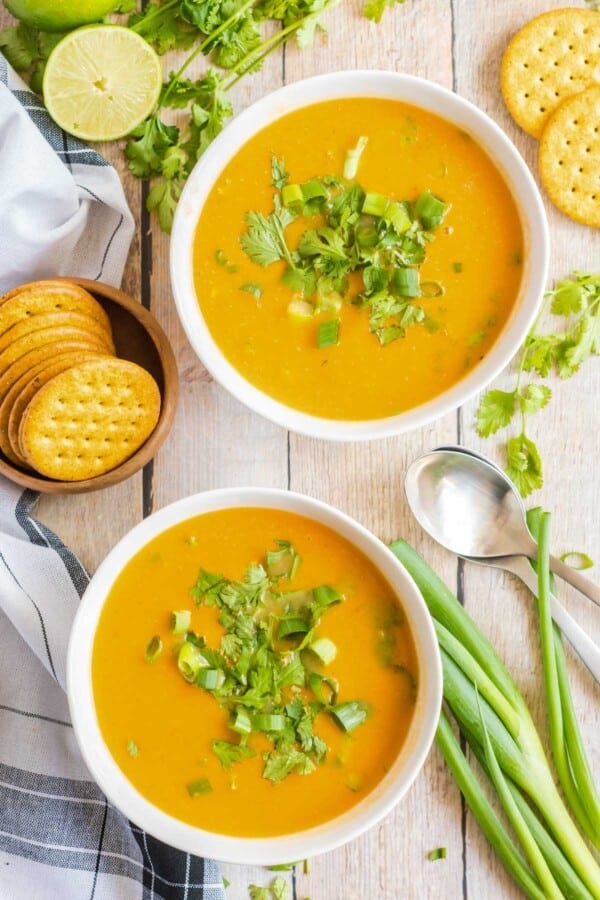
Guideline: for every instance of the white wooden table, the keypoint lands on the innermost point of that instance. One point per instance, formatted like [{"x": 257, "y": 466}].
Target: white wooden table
[{"x": 217, "y": 442}]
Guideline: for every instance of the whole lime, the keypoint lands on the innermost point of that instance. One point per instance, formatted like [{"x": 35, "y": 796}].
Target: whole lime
[{"x": 59, "y": 15}]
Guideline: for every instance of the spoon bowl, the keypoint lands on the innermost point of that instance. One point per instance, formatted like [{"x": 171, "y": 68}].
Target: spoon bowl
[{"x": 468, "y": 505}]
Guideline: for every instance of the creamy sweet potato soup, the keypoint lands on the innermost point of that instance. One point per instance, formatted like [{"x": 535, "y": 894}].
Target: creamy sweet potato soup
[
  {"x": 331, "y": 339},
  {"x": 253, "y": 673}
]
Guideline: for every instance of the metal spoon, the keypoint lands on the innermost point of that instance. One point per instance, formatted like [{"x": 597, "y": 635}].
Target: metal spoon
[
  {"x": 422, "y": 503},
  {"x": 471, "y": 507}
]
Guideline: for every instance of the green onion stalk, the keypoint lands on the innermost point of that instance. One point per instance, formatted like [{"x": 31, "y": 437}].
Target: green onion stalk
[{"x": 554, "y": 859}]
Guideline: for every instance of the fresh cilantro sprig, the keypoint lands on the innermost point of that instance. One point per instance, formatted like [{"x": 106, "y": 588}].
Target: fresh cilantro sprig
[
  {"x": 382, "y": 239},
  {"x": 229, "y": 33},
  {"x": 576, "y": 301}
]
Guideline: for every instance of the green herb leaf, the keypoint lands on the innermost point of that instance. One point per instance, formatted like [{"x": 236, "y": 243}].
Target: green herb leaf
[
  {"x": 199, "y": 787},
  {"x": 19, "y": 44},
  {"x": 534, "y": 397},
  {"x": 438, "y": 853},
  {"x": 374, "y": 9},
  {"x": 253, "y": 288},
  {"x": 328, "y": 334},
  {"x": 132, "y": 748},
  {"x": 524, "y": 464},
  {"x": 279, "y": 177},
  {"x": 228, "y": 753},
  {"x": 496, "y": 409}
]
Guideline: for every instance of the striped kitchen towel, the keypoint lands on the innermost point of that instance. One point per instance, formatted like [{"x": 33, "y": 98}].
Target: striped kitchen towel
[
  {"x": 59, "y": 837},
  {"x": 62, "y": 207}
]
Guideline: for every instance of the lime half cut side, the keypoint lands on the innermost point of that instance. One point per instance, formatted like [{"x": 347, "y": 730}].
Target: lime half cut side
[{"x": 101, "y": 81}]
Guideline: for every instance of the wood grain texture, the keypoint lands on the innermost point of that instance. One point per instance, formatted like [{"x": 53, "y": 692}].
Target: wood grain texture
[{"x": 217, "y": 442}]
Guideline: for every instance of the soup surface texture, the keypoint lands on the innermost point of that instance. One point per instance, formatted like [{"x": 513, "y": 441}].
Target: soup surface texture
[
  {"x": 171, "y": 724},
  {"x": 475, "y": 258}
]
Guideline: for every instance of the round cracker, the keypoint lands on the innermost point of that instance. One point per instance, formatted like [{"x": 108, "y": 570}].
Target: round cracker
[
  {"x": 569, "y": 157},
  {"x": 55, "y": 319},
  {"x": 49, "y": 297},
  {"x": 89, "y": 419},
  {"x": 44, "y": 353},
  {"x": 23, "y": 391},
  {"x": 48, "y": 336},
  {"x": 553, "y": 57}
]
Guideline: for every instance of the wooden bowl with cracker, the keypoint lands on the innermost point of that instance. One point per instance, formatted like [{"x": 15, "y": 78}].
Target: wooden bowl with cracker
[{"x": 83, "y": 404}]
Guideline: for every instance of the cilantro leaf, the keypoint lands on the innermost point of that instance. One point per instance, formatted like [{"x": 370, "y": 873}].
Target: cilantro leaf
[
  {"x": 279, "y": 888},
  {"x": 263, "y": 241},
  {"x": 567, "y": 299},
  {"x": 374, "y": 9},
  {"x": 524, "y": 464},
  {"x": 163, "y": 198},
  {"x": 282, "y": 762},
  {"x": 229, "y": 753},
  {"x": 534, "y": 397},
  {"x": 279, "y": 177},
  {"x": 19, "y": 45},
  {"x": 259, "y": 893},
  {"x": 150, "y": 142},
  {"x": 496, "y": 409}
]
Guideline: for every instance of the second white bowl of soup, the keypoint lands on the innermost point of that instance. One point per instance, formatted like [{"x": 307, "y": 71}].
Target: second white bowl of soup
[{"x": 358, "y": 254}]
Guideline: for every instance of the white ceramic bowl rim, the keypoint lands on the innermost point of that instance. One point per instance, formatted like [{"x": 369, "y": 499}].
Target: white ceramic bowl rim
[
  {"x": 410, "y": 89},
  {"x": 271, "y": 850}
]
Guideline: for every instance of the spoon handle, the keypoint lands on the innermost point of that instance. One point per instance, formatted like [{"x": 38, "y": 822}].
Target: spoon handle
[
  {"x": 577, "y": 637},
  {"x": 576, "y": 579}
]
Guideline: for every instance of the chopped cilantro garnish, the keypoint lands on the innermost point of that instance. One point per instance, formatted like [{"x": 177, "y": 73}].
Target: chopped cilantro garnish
[
  {"x": 132, "y": 748},
  {"x": 381, "y": 238},
  {"x": 264, "y": 672}
]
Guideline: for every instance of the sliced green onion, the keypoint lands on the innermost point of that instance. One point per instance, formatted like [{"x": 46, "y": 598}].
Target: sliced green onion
[
  {"x": 133, "y": 749},
  {"x": 457, "y": 266},
  {"x": 190, "y": 661},
  {"x": 210, "y": 679},
  {"x": 326, "y": 595},
  {"x": 241, "y": 722},
  {"x": 328, "y": 334},
  {"x": 374, "y": 205},
  {"x": 430, "y": 209},
  {"x": 577, "y": 560},
  {"x": 301, "y": 309},
  {"x": 397, "y": 216},
  {"x": 180, "y": 621},
  {"x": 154, "y": 649},
  {"x": 199, "y": 787},
  {"x": 319, "y": 683},
  {"x": 292, "y": 625},
  {"x": 438, "y": 853},
  {"x": 313, "y": 190},
  {"x": 324, "y": 649},
  {"x": 366, "y": 233},
  {"x": 268, "y": 722},
  {"x": 406, "y": 282},
  {"x": 292, "y": 195},
  {"x": 349, "y": 715},
  {"x": 252, "y": 287},
  {"x": 283, "y": 561},
  {"x": 353, "y": 158}
]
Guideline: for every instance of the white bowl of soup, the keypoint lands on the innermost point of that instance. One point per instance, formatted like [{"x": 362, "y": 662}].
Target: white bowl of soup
[
  {"x": 322, "y": 180},
  {"x": 253, "y": 676}
]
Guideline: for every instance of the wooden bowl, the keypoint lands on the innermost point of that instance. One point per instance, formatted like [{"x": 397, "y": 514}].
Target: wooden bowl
[{"x": 139, "y": 338}]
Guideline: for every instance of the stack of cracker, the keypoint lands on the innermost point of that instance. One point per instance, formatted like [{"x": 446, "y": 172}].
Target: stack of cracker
[
  {"x": 551, "y": 86},
  {"x": 69, "y": 408}
]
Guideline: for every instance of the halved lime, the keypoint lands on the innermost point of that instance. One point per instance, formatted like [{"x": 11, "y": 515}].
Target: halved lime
[{"x": 101, "y": 81}]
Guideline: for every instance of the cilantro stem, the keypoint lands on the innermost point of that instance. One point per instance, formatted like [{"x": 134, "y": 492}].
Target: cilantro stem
[
  {"x": 201, "y": 48},
  {"x": 159, "y": 11}
]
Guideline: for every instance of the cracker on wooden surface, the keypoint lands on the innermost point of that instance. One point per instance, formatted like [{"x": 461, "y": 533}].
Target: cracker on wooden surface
[
  {"x": 47, "y": 336},
  {"x": 554, "y": 56},
  {"x": 569, "y": 157}
]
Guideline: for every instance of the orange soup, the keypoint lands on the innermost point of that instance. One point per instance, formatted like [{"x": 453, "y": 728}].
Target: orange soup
[
  {"x": 469, "y": 278},
  {"x": 308, "y": 710}
]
